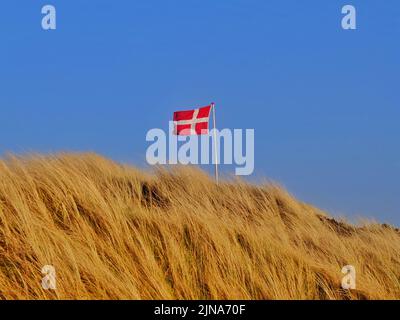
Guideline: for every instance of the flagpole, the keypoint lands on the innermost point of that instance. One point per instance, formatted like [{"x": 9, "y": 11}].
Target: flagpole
[{"x": 215, "y": 143}]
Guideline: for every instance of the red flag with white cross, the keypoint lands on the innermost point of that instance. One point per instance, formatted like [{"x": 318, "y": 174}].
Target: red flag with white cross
[
  {"x": 192, "y": 122},
  {"x": 195, "y": 122}
]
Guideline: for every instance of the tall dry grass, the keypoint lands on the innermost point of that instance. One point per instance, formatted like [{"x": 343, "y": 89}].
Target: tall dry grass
[{"x": 113, "y": 232}]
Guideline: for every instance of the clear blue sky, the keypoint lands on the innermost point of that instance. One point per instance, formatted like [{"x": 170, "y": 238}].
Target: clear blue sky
[{"x": 324, "y": 102}]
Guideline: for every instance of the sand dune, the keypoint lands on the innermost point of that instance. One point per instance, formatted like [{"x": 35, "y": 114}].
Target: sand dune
[{"x": 115, "y": 232}]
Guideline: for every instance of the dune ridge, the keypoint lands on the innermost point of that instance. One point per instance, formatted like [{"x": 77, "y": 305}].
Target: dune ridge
[{"x": 115, "y": 232}]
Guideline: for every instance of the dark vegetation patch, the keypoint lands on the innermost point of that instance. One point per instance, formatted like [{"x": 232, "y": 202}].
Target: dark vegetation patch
[
  {"x": 152, "y": 196},
  {"x": 339, "y": 227}
]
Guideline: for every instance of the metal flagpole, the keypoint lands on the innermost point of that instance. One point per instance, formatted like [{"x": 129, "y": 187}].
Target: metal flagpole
[{"x": 215, "y": 143}]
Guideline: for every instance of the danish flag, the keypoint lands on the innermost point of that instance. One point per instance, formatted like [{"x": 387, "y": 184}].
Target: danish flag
[{"x": 192, "y": 122}]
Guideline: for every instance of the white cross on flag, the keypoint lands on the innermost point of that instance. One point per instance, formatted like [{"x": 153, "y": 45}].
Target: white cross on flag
[{"x": 192, "y": 122}]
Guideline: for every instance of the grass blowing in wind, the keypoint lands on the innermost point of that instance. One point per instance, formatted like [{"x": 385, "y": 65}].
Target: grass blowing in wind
[{"x": 114, "y": 232}]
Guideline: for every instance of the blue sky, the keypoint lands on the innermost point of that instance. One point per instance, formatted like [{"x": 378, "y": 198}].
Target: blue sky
[{"x": 324, "y": 102}]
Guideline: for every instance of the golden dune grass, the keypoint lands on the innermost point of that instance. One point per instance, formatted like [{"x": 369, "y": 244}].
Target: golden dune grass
[{"x": 114, "y": 232}]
